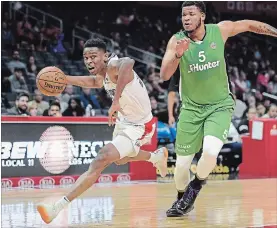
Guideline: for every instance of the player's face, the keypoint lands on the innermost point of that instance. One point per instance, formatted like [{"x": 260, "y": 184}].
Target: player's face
[
  {"x": 94, "y": 59},
  {"x": 192, "y": 18}
]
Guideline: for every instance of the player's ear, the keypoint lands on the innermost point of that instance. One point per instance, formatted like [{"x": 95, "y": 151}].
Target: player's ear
[
  {"x": 203, "y": 17},
  {"x": 106, "y": 57}
]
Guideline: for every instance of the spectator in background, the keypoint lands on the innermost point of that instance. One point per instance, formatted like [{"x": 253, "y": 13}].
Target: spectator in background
[
  {"x": 24, "y": 31},
  {"x": 55, "y": 109},
  {"x": 74, "y": 108},
  {"x": 63, "y": 104},
  {"x": 16, "y": 63},
  {"x": 59, "y": 48},
  {"x": 251, "y": 101},
  {"x": 154, "y": 106},
  {"x": 39, "y": 102},
  {"x": 7, "y": 38},
  {"x": 274, "y": 85},
  {"x": 67, "y": 94},
  {"x": 41, "y": 43},
  {"x": 242, "y": 85},
  {"x": 267, "y": 104},
  {"x": 6, "y": 84},
  {"x": 31, "y": 66},
  {"x": 21, "y": 106},
  {"x": 33, "y": 109},
  {"x": 272, "y": 112},
  {"x": 262, "y": 81},
  {"x": 78, "y": 51},
  {"x": 17, "y": 81},
  {"x": 87, "y": 98},
  {"x": 4, "y": 101},
  {"x": 243, "y": 127},
  {"x": 261, "y": 109}
]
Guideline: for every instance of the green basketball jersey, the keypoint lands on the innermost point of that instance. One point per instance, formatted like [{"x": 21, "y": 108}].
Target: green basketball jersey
[{"x": 203, "y": 76}]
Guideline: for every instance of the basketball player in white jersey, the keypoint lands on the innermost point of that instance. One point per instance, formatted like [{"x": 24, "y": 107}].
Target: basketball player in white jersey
[{"x": 134, "y": 124}]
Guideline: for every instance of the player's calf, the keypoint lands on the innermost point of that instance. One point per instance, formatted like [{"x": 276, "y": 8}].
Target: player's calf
[{"x": 105, "y": 157}]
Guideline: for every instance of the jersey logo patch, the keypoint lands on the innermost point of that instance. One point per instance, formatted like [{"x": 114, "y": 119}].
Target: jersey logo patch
[{"x": 213, "y": 45}]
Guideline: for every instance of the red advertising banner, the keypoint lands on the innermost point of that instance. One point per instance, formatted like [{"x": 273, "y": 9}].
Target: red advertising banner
[{"x": 22, "y": 162}]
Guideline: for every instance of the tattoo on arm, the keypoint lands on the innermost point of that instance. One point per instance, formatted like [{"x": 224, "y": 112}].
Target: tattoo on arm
[{"x": 263, "y": 29}]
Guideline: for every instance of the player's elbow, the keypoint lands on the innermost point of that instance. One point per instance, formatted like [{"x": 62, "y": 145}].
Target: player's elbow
[{"x": 129, "y": 63}]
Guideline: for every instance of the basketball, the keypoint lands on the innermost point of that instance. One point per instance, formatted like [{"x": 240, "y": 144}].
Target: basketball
[{"x": 51, "y": 81}]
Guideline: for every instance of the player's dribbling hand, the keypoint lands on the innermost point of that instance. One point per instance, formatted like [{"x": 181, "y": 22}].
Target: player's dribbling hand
[
  {"x": 181, "y": 46},
  {"x": 113, "y": 112}
]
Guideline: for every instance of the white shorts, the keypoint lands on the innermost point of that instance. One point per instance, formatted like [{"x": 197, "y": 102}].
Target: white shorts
[{"x": 128, "y": 138}]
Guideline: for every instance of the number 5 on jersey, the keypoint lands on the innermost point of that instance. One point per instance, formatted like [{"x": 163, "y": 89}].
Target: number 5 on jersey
[{"x": 201, "y": 56}]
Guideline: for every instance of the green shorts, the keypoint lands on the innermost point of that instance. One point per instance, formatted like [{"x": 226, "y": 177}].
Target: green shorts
[{"x": 196, "y": 121}]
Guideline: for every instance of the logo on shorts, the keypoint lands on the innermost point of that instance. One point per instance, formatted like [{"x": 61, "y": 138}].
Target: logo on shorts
[
  {"x": 6, "y": 183},
  {"x": 123, "y": 178},
  {"x": 183, "y": 148},
  {"x": 26, "y": 183},
  {"x": 105, "y": 179},
  {"x": 137, "y": 143}
]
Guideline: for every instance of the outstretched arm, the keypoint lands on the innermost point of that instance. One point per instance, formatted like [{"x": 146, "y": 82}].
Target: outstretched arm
[
  {"x": 85, "y": 81},
  {"x": 230, "y": 28}
]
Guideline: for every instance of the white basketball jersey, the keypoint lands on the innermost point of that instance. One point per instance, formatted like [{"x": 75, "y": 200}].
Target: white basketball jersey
[{"x": 134, "y": 99}]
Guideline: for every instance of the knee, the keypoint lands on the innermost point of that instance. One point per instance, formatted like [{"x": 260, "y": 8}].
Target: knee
[
  {"x": 101, "y": 160},
  {"x": 183, "y": 162},
  {"x": 211, "y": 147}
]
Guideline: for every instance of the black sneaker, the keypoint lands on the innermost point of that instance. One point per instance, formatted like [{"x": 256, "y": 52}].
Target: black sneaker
[
  {"x": 185, "y": 205},
  {"x": 173, "y": 212}
]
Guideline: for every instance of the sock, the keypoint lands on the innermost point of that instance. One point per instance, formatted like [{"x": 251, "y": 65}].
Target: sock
[
  {"x": 197, "y": 182},
  {"x": 180, "y": 195},
  {"x": 62, "y": 203},
  {"x": 153, "y": 158}
]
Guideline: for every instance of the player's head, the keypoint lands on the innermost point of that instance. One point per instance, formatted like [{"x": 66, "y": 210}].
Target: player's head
[
  {"x": 95, "y": 55},
  {"x": 193, "y": 15}
]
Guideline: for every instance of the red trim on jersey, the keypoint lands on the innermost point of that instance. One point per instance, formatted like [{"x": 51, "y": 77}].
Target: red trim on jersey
[{"x": 148, "y": 127}]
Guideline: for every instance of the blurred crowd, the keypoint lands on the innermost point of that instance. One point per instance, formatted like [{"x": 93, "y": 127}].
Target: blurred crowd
[{"x": 251, "y": 65}]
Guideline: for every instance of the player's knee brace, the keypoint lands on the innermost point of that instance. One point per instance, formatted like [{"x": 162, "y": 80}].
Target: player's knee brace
[
  {"x": 181, "y": 172},
  {"x": 207, "y": 162},
  {"x": 211, "y": 146}
]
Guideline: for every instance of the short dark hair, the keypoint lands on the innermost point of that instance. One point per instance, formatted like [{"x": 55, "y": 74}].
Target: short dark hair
[
  {"x": 96, "y": 42},
  {"x": 22, "y": 95},
  {"x": 199, "y": 4},
  {"x": 55, "y": 103}
]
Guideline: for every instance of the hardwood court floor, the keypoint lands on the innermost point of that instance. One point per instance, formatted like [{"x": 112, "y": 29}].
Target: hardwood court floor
[{"x": 236, "y": 203}]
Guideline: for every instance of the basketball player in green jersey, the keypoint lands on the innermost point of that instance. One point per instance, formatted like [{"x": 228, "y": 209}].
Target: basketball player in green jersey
[{"x": 207, "y": 103}]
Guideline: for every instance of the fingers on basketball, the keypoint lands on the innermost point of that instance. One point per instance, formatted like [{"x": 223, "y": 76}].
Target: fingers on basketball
[{"x": 51, "y": 81}]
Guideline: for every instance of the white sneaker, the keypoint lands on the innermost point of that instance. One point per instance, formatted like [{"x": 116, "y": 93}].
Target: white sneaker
[
  {"x": 161, "y": 164},
  {"x": 48, "y": 211}
]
